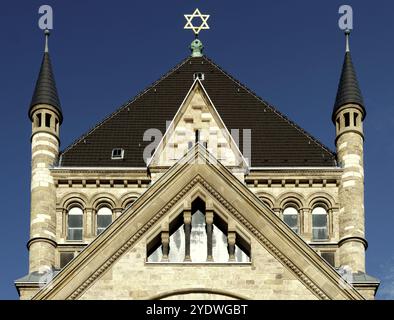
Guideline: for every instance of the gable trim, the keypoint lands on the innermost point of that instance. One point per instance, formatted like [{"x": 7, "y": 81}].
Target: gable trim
[{"x": 171, "y": 127}]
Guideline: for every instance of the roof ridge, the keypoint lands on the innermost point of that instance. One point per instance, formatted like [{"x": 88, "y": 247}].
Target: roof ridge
[
  {"x": 125, "y": 105},
  {"x": 292, "y": 123}
]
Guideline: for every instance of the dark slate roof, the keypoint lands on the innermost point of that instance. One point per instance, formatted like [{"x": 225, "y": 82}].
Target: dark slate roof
[
  {"x": 276, "y": 141},
  {"x": 348, "y": 88},
  {"x": 45, "y": 91}
]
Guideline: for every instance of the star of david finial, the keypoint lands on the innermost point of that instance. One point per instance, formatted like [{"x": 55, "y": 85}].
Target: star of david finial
[{"x": 196, "y": 14}]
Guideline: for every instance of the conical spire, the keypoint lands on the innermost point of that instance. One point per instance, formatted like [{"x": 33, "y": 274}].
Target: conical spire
[
  {"x": 45, "y": 91},
  {"x": 348, "y": 88}
]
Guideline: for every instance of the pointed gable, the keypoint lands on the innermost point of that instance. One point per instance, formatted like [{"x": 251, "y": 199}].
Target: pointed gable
[
  {"x": 197, "y": 121},
  {"x": 275, "y": 140}
]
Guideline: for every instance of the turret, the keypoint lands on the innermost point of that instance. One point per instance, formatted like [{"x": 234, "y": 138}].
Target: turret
[
  {"x": 348, "y": 117},
  {"x": 46, "y": 117}
]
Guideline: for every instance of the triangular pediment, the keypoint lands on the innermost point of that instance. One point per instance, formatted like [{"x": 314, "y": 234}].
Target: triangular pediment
[
  {"x": 197, "y": 121},
  {"x": 198, "y": 173}
]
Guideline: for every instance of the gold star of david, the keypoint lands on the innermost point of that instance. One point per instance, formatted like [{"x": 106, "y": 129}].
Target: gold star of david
[{"x": 196, "y": 14}]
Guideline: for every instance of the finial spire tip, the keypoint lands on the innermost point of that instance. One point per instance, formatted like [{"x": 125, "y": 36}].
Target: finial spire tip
[
  {"x": 47, "y": 34},
  {"x": 347, "y": 35}
]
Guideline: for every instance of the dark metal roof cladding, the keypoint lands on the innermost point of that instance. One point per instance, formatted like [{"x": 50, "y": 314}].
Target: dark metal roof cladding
[
  {"x": 45, "y": 91},
  {"x": 348, "y": 88},
  {"x": 276, "y": 141}
]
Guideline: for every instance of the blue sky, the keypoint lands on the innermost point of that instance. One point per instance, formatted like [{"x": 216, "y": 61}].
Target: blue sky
[{"x": 105, "y": 52}]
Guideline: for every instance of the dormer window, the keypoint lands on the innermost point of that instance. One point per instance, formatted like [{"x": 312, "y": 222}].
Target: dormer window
[
  {"x": 199, "y": 75},
  {"x": 117, "y": 154}
]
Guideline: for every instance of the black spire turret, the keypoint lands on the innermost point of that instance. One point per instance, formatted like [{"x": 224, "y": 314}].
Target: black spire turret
[
  {"x": 45, "y": 91},
  {"x": 348, "y": 88}
]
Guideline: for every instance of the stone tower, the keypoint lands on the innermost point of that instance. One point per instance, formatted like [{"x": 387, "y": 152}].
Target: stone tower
[
  {"x": 46, "y": 117},
  {"x": 348, "y": 116}
]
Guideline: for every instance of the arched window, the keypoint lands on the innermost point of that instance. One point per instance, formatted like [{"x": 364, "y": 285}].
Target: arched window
[
  {"x": 319, "y": 224},
  {"x": 290, "y": 217},
  {"x": 104, "y": 219},
  {"x": 75, "y": 224}
]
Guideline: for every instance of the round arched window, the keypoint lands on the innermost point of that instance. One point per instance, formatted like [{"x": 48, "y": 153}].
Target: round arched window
[
  {"x": 75, "y": 224},
  {"x": 290, "y": 217},
  {"x": 104, "y": 219},
  {"x": 319, "y": 224}
]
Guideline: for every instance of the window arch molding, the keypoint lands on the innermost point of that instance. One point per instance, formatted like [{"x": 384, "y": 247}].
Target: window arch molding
[
  {"x": 73, "y": 198},
  {"x": 103, "y": 203},
  {"x": 296, "y": 201},
  {"x": 291, "y": 204},
  {"x": 128, "y": 198},
  {"x": 103, "y": 198},
  {"x": 291, "y": 197},
  {"x": 266, "y": 198},
  {"x": 322, "y": 199},
  {"x": 100, "y": 222},
  {"x": 68, "y": 202}
]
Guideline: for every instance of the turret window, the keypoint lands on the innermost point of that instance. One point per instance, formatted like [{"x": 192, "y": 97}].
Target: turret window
[
  {"x": 338, "y": 124},
  {"x": 75, "y": 224},
  {"x": 347, "y": 119},
  {"x": 48, "y": 120},
  {"x": 355, "y": 119},
  {"x": 290, "y": 217},
  {"x": 39, "y": 120},
  {"x": 319, "y": 224},
  {"x": 104, "y": 219}
]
